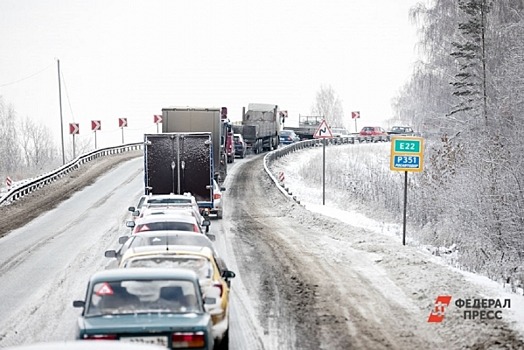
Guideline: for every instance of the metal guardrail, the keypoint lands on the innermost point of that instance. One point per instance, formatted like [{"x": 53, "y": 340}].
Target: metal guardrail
[
  {"x": 284, "y": 151},
  {"x": 43, "y": 180}
]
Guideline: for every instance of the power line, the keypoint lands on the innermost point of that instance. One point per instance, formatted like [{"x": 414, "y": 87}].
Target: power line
[
  {"x": 67, "y": 95},
  {"x": 30, "y": 76}
]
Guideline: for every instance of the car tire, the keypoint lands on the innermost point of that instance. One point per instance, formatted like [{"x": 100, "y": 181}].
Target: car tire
[
  {"x": 219, "y": 214},
  {"x": 224, "y": 342}
]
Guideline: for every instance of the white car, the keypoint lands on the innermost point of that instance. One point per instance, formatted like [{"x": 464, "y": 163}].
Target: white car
[
  {"x": 164, "y": 200},
  {"x": 218, "y": 200}
]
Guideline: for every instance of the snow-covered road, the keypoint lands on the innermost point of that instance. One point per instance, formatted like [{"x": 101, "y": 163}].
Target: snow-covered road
[{"x": 308, "y": 276}]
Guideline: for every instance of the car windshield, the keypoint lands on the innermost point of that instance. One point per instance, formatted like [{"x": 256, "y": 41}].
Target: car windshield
[
  {"x": 286, "y": 133},
  {"x": 165, "y": 225},
  {"x": 200, "y": 265},
  {"x": 133, "y": 296}
]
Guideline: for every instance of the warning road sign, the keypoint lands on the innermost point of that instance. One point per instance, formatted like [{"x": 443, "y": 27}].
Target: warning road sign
[{"x": 323, "y": 131}]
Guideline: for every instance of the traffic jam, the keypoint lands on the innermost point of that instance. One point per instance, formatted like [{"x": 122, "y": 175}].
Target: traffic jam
[{"x": 170, "y": 287}]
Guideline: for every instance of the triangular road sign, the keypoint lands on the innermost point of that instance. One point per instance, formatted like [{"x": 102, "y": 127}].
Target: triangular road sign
[{"x": 323, "y": 131}]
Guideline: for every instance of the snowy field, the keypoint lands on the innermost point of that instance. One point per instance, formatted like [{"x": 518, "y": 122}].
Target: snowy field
[{"x": 303, "y": 179}]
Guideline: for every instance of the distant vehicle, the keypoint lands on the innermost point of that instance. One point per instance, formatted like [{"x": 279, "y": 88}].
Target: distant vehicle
[
  {"x": 339, "y": 132},
  {"x": 200, "y": 260},
  {"x": 162, "y": 306},
  {"x": 218, "y": 200},
  {"x": 240, "y": 145},
  {"x": 288, "y": 137},
  {"x": 374, "y": 133},
  {"x": 402, "y": 130},
  {"x": 259, "y": 128},
  {"x": 230, "y": 146}
]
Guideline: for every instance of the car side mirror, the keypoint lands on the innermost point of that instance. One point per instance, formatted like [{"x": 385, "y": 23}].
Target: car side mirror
[
  {"x": 110, "y": 253},
  {"x": 79, "y": 303},
  {"x": 136, "y": 213},
  {"x": 222, "y": 189},
  {"x": 228, "y": 274},
  {"x": 131, "y": 209},
  {"x": 206, "y": 222},
  {"x": 130, "y": 224}
]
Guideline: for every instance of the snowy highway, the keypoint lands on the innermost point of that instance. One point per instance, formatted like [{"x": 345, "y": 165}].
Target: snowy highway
[{"x": 304, "y": 280}]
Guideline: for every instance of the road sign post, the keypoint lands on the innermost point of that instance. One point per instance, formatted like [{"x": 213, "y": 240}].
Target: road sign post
[
  {"x": 74, "y": 128},
  {"x": 355, "y": 115},
  {"x": 323, "y": 132},
  {"x": 407, "y": 155},
  {"x": 95, "y": 125},
  {"x": 122, "y": 123},
  {"x": 157, "y": 119}
]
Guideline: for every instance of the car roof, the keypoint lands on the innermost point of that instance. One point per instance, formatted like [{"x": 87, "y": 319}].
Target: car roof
[
  {"x": 143, "y": 273},
  {"x": 168, "y": 217}
]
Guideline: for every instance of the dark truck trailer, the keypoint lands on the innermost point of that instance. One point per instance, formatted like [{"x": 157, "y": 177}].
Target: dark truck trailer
[
  {"x": 179, "y": 163},
  {"x": 194, "y": 119}
]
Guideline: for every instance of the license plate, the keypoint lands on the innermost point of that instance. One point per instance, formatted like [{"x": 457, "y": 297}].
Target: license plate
[{"x": 156, "y": 340}]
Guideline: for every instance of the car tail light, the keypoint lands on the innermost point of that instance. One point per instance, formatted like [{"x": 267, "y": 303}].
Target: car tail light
[
  {"x": 188, "y": 340},
  {"x": 100, "y": 337},
  {"x": 196, "y": 228},
  {"x": 217, "y": 196}
]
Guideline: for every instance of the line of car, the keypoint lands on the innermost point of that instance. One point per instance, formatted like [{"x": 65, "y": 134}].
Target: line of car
[{"x": 170, "y": 287}]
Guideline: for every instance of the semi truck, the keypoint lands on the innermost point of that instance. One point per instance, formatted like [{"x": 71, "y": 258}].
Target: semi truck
[
  {"x": 260, "y": 127},
  {"x": 179, "y": 163},
  {"x": 212, "y": 120}
]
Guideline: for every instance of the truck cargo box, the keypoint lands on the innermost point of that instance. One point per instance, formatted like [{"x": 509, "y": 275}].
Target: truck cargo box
[{"x": 179, "y": 163}]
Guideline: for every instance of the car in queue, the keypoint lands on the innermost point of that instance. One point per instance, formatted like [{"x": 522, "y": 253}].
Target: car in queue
[
  {"x": 163, "y": 199},
  {"x": 218, "y": 200},
  {"x": 164, "y": 239},
  {"x": 161, "y": 306},
  {"x": 288, "y": 137},
  {"x": 375, "y": 133},
  {"x": 155, "y": 209},
  {"x": 240, "y": 145},
  {"x": 201, "y": 260},
  {"x": 179, "y": 221}
]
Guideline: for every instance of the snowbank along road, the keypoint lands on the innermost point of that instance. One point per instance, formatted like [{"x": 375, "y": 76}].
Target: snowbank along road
[{"x": 304, "y": 281}]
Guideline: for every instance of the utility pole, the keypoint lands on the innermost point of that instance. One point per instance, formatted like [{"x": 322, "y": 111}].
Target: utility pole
[{"x": 61, "y": 121}]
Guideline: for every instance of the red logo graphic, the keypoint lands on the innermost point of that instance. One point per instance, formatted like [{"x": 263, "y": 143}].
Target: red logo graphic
[{"x": 437, "y": 314}]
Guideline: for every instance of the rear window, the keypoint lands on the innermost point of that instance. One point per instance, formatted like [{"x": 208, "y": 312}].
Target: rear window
[
  {"x": 132, "y": 296},
  {"x": 163, "y": 226},
  {"x": 168, "y": 200}
]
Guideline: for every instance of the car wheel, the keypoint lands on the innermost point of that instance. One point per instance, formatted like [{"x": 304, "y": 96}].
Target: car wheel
[
  {"x": 224, "y": 342},
  {"x": 219, "y": 214}
]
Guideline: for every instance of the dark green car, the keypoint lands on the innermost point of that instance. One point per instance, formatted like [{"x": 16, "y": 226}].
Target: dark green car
[{"x": 141, "y": 305}]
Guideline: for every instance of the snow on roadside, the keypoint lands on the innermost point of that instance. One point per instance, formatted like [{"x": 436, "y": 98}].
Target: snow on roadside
[{"x": 339, "y": 206}]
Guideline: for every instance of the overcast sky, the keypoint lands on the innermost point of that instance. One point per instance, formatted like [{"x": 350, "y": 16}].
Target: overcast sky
[{"x": 129, "y": 59}]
